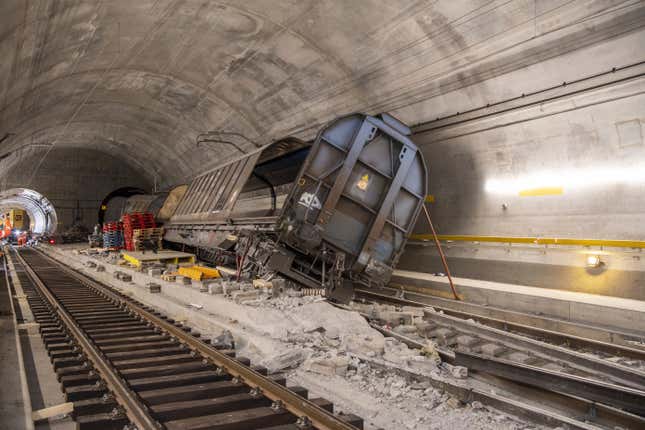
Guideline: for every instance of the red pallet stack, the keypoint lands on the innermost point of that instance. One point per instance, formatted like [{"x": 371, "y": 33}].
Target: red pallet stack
[{"x": 134, "y": 221}]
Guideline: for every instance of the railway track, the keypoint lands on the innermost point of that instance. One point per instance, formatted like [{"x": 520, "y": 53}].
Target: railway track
[
  {"x": 574, "y": 371},
  {"x": 123, "y": 365}
]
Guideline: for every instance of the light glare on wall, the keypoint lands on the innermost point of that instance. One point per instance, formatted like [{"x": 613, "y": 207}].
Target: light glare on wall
[{"x": 568, "y": 179}]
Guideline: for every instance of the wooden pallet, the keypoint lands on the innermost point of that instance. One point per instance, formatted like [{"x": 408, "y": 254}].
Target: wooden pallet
[{"x": 147, "y": 234}]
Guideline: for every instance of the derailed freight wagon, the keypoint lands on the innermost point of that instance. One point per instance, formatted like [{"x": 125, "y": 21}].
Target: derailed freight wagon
[{"x": 328, "y": 214}]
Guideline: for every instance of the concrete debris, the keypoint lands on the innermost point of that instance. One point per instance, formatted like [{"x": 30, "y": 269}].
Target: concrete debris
[
  {"x": 333, "y": 352},
  {"x": 224, "y": 341},
  {"x": 287, "y": 359},
  {"x": 230, "y": 286},
  {"x": 100, "y": 268},
  {"x": 430, "y": 352},
  {"x": 405, "y": 329},
  {"x": 334, "y": 365},
  {"x": 476, "y": 405},
  {"x": 467, "y": 341},
  {"x": 459, "y": 372},
  {"x": 395, "y": 318},
  {"x": 262, "y": 283},
  {"x": 215, "y": 288},
  {"x": 153, "y": 287},
  {"x": 122, "y": 276},
  {"x": 243, "y": 296},
  {"x": 154, "y": 272},
  {"x": 493, "y": 349},
  {"x": 278, "y": 286},
  {"x": 416, "y": 311},
  {"x": 454, "y": 403}
]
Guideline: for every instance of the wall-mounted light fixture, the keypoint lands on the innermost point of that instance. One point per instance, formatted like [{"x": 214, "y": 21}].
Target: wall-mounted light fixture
[{"x": 593, "y": 260}]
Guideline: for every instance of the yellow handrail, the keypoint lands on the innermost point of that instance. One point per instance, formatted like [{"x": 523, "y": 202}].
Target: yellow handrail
[{"x": 535, "y": 240}]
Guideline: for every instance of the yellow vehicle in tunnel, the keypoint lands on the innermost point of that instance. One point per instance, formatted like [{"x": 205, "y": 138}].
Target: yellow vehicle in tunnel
[
  {"x": 13, "y": 220},
  {"x": 19, "y": 219}
]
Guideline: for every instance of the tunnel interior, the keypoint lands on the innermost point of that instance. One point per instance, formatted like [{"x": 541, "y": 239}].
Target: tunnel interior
[
  {"x": 42, "y": 214},
  {"x": 190, "y": 130}
]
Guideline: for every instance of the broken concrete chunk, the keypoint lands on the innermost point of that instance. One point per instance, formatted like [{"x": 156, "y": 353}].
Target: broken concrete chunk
[
  {"x": 289, "y": 359},
  {"x": 364, "y": 344},
  {"x": 415, "y": 311},
  {"x": 100, "y": 268},
  {"x": 405, "y": 329},
  {"x": 430, "y": 352},
  {"x": 424, "y": 327},
  {"x": 229, "y": 287},
  {"x": 459, "y": 372},
  {"x": 467, "y": 341},
  {"x": 262, "y": 283},
  {"x": 224, "y": 341},
  {"x": 215, "y": 288},
  {"x": 394, "y": 318},
  {"x": 155, "y": 272},
  {"x": 121, "y": 276},
  {"x": 493, "y": 349},
  {"x": 454, "y": 403},
  {"x": 476, "y": 405},
  {"x": 329, "y": 366},
  {"x": 241, "y": 296},
  {"x": 153, "y": 287}
]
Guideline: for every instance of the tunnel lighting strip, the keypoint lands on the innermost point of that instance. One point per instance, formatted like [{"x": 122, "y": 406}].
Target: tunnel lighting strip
[{"x": 534, "y": 240}]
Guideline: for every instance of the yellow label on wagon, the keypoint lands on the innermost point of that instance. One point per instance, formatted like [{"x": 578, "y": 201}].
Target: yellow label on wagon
[{"x": 363, "y": 182}]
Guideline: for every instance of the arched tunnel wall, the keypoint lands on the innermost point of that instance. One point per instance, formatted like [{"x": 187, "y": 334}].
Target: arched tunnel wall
[
  {"x": 565, "y": 162},
  {"x": 74, "y": 180}
]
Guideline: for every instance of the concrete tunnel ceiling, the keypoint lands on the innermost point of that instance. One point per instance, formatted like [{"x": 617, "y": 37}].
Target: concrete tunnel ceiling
[
  {"x": 140, "y": 80},
  {"x": 42, "y": 213}
]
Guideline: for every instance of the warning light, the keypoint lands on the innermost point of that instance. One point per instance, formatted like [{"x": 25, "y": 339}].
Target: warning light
[
  {"x": 103, "y": 207},
  {"x": 363, "y": 182},
  {"x": 52, "y": 241}
]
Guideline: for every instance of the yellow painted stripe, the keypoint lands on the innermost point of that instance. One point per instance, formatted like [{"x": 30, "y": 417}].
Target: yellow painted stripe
[
  {"x": 429, "y": 198},
  {"x": 544, "y": 191},
  {"x": 535, "y": 240}
]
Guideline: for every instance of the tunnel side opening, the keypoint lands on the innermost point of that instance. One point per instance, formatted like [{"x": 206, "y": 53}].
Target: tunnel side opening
[
  {"x": 40, "y": 215},
  {"x": 114, "y": 203}
]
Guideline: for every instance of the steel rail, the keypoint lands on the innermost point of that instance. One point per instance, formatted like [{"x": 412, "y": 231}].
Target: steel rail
[
  {"x": 577, "y": 406},
  {"x": 554, "y": 336},
  {"x": 617, "y": 373},
  {"x": 282, "y": 396},
  {"x": 134, "y": 408},
  {"x": 627, "y": 398}
]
